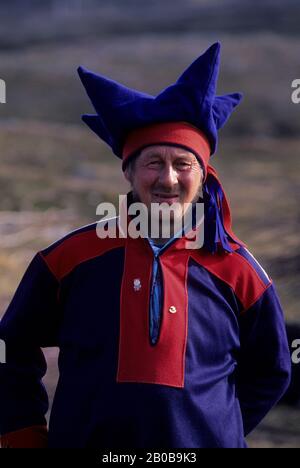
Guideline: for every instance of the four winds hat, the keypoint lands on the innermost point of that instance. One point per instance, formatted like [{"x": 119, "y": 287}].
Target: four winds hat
[{"x": 187, "y": 114}]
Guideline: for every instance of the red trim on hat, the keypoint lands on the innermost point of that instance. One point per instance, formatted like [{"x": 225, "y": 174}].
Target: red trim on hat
[{"x": 178, "y": 133}]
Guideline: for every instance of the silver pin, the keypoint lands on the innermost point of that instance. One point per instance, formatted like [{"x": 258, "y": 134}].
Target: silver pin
[{"x": 137, "y": 285}]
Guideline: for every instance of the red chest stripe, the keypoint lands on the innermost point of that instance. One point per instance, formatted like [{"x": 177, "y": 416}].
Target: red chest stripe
[{"x": 139, "y": 361}]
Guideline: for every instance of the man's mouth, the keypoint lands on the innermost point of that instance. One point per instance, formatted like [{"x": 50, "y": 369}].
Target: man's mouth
[{"x": 165, "y": 197}]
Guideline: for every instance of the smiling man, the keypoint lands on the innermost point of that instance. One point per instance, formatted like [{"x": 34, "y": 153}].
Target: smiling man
[
  {"x": 165, "y": 174},
  {"x": 161, "y": 345}
]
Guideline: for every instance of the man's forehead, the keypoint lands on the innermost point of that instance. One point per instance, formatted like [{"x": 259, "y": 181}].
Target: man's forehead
[{"x": 166, "y": 151}]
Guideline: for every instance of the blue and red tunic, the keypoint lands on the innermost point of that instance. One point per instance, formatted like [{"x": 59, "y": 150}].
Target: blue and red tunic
[{"x": 219, "y": 363}]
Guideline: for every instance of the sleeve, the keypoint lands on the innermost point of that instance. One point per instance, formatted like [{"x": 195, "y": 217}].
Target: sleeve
[
  {"x": 264, "y": 364},
  {"x": 30, "y": 437},
  {"x": 30, "y": 323}
]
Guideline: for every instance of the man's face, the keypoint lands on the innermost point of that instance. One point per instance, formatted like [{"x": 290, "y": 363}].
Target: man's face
[{"x": 166, "y": 174}]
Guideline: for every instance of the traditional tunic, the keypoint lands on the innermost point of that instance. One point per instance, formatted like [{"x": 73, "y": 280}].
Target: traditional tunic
[
  {"x": 221, "y": 360},
  {"x": 159, "y": 348}
]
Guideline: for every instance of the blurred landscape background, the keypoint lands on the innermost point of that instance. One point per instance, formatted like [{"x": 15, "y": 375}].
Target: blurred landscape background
[{"x": 54, "y": 171}]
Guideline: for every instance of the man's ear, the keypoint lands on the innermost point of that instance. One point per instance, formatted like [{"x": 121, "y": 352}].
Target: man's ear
[
  {"x": 202, "y": 181},
  {"x": 128, "y": 175}
]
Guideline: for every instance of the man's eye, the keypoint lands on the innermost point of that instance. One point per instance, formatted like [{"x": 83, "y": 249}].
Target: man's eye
[{"x": 180, "y": 165}]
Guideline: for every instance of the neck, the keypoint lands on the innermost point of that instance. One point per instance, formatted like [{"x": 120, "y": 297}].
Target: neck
[{"x": 172, "y": 229}]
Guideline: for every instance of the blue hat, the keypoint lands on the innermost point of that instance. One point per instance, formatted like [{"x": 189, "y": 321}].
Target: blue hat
[{"x": 192, "y": 100}]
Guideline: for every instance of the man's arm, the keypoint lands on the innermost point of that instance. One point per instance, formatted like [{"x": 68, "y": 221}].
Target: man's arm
[
  {"x": 264, "y": 366},
  {"x": 30, "y": 322},
  {"x": 30, "y": 437}
]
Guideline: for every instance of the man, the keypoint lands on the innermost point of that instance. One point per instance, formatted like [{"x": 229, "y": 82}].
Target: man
[
  {"x": 165, "y": 174},
  {"x": 161, "y": 345}
]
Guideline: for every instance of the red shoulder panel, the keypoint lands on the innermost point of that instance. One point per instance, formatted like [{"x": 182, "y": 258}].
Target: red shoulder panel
[
  {"x": 78, "y": 249},
  {"x": 236, "y": 271}
]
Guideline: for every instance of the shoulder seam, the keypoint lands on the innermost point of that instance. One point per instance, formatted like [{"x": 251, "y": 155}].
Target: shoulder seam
[
  {"x": 256, "y": 261},
  {"x": 48, "y": 266},
  {"x": 70, "y": 235},
  {"x": 241, "y": 261},
  {"x": 90, "y": 258},
  {"x": 244, "y": 260},
  {"x": 98, "y": 254},
  {"x": 257, "y": 298}
]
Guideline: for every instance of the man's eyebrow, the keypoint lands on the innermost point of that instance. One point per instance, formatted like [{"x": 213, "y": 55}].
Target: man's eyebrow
[
  {"x": 186, "y": 156},
  {"x": 153, "y": 153}
]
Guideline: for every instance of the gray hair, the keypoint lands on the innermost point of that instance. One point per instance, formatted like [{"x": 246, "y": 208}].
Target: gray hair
[{"x": 130, "y": 164}]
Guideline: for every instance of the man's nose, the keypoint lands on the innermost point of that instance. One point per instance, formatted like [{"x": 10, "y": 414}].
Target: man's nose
[{"x": 168, "y": 176}]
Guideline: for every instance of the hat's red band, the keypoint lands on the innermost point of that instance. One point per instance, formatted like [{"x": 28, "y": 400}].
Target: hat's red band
[{"x": 177, "y": 133}]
